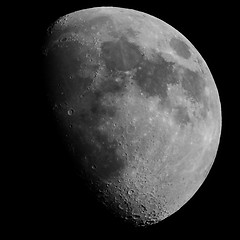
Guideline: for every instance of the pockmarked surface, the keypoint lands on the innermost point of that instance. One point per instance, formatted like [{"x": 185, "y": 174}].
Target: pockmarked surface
[{"x": 139, "y": 106}]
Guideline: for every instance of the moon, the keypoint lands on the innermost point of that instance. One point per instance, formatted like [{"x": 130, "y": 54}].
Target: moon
[{"x": 138, "y": 106}]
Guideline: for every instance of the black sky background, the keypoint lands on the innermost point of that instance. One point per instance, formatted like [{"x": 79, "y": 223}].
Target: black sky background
[{"x": 60, "y": 202}]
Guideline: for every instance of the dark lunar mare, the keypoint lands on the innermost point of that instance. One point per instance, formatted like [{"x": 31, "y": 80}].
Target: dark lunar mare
[
  {"x": 194, "y": 84},
  {"x": 152, "y": 75},
  {"x": 181, "y": 48}
]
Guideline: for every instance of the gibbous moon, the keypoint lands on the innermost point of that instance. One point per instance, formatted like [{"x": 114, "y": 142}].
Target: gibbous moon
[{"x": 139, "y": 107}]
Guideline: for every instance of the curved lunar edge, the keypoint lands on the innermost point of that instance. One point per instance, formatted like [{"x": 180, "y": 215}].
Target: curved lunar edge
[{"x": 139, "y": 107}]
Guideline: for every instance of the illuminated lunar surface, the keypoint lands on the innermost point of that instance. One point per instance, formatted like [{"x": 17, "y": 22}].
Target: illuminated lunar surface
[{"x": 139, "y": 107}]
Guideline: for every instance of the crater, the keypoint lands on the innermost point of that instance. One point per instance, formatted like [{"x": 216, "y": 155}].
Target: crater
[{"x": 180, "y": 47}]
